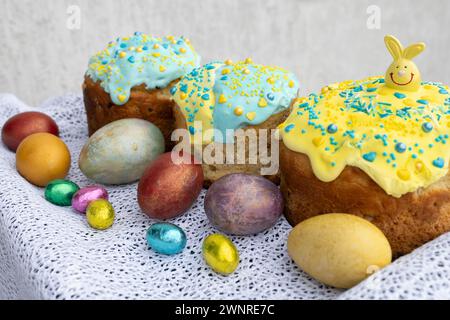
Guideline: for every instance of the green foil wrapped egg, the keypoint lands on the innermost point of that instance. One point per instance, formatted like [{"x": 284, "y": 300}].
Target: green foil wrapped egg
[
  {"x": 220, "y": 254},
  {"x": 100, "y": 214},
  {"x": 60, "y": 192}
]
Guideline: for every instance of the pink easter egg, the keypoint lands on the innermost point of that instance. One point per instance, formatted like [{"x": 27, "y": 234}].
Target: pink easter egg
[{"x": 86, "y": 195}]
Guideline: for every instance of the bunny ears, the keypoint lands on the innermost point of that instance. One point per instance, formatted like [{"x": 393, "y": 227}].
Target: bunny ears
[{"x": 396, "y": 49}]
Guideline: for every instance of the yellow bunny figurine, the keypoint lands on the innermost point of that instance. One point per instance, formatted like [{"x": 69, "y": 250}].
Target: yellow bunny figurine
[{"x": 403, "y": 73}]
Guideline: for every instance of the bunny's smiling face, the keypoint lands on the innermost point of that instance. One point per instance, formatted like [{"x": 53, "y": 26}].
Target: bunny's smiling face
[{"x": 403, "y": 73}]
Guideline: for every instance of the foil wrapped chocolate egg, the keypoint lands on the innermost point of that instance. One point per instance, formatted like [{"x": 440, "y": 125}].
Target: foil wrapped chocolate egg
[
  {"x": 86, "y": 195},
  {"x": 220, "y": 254},
  {"x": 100, "y": 214},
  {"x": 60, "y": 192},
  {"x": 166, "y": 238}
]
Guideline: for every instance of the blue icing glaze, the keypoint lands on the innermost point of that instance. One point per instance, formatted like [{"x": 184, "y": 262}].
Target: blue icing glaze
[
  {"x": 141, "y": 59},
  {"x": 239, "y": 95},
  {"x": 246, "y": 85}
]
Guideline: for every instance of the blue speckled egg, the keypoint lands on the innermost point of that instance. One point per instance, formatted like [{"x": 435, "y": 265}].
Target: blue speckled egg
[{"x": 166, "y": 238}]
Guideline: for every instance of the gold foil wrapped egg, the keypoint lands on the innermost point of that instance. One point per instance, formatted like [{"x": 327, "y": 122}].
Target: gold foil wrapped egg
[
  {"x": 220, "y": 254},
  {"x": 100, "y": 214}
]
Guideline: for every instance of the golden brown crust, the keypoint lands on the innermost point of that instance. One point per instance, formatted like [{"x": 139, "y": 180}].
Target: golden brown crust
[
  {"x": 213, "y": 172},
  {"x": 408, "y": 221},
  {"x": 152, "y": 105}
]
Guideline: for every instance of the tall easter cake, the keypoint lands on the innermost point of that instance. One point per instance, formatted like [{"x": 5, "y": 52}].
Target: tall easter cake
[
  {"x": 131, "y": 79},
  {"x": 215, "y": 100},
  {"x": 377, "y": 148}
]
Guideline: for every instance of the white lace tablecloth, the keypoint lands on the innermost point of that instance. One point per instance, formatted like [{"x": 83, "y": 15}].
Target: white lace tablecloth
[{"x": 49, "y": 252}]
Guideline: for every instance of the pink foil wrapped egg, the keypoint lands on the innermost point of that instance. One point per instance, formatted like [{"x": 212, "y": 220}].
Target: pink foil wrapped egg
[{"x": 86, "y": 195}]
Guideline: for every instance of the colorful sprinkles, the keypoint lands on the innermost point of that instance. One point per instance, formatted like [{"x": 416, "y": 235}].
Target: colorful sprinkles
[
  {"x": 141, "y": 59},
  {"x": 399, "y": 138},
  {"x": 226, "y": 96}
]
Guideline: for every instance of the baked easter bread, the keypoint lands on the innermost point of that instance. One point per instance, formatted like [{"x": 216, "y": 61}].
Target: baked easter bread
[
  {"x": 376, "y": 148},
  {"x": 131, "y": 79},
  {"x": 217, "y": 100}
]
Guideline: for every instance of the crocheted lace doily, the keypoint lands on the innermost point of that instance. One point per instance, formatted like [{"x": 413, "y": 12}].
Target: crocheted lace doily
[{"x": 50, "y": 252}]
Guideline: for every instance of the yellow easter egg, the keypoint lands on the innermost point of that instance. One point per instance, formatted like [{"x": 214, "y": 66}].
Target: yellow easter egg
[
  {"x": 339, "y": 250},
  {"x": 220, "y": 254},
  {"x": 100, "y": 214},
  {"x": 41, "y": 158}
]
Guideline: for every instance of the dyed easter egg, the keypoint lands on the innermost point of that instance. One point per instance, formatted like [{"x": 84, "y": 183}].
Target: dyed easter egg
[
  {"x": 41, "y": 158},
  {"x": 339, "y": 250},
  {"x": 60, "y": 192},
  {"x": 119, "y": 152},
  {"x": 243, "y": 204},
  {"x": 168, "y": 189},
  {"x": 86, "y": 195},
  {"x": 166, "y": 238},
  {"x": 220, "y": 254},
  {"x": 24, "y": 124},
  {"x": 100, "y": 214}
]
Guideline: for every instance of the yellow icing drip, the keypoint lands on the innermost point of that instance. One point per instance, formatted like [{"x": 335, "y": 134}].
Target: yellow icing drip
[
  {"x": 398, "y": 138},
  {"x": 188, "y": 101}
]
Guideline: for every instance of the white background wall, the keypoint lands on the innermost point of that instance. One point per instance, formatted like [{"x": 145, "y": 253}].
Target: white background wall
[{"x": 322, "y": 41}]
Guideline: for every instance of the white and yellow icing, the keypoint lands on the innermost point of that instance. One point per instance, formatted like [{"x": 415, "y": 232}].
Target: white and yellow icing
[
  {"x": 397, "y": 133},
  {"x": 225, "y": 96}
]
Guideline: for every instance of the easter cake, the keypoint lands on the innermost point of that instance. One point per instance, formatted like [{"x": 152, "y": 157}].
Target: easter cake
[
  {"x": 214, "y": 101},
  {"x": 376, "y": 148},
  {"x": 131, "y": 79}
]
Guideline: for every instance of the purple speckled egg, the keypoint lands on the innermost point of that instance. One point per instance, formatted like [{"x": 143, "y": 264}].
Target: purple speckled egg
[
  {"x": 86, "y": 195},
  {"x": 243, "y": 204}
]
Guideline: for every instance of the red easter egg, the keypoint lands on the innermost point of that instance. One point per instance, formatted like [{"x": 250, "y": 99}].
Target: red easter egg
[
  {"x": 167, "y": 189},
  {"x": 20, "y": 126}
]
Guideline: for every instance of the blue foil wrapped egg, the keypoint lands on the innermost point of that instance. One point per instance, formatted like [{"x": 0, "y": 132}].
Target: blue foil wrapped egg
[{"x": 166, "y": 238}]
